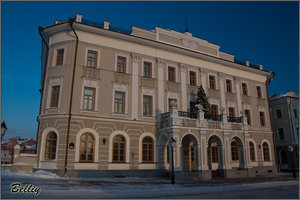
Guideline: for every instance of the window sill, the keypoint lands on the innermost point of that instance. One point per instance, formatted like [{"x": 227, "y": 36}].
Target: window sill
[
  {"x": 119, "y": 114},
  {"x": 55, "y": 160},
  {"x": 52, "y": 108},
  {"x": 88, "y": 111},
  {"x": 147, "y": 116}
]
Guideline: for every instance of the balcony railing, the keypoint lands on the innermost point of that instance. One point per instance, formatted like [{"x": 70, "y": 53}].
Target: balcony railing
[
  {"x": 235, "y": 119},
  {"x": 184, "y": 114},
  {"x": 217, "y": 118}
]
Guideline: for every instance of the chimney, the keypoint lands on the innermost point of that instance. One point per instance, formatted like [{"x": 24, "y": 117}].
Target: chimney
[
  {"x": 57, "y": 22},
  {"x": 260, "y": 67},
  {"x": 79, "y": 18},
  {"x": 106, "y": 24},
  {"x": 247, "y": 62}
]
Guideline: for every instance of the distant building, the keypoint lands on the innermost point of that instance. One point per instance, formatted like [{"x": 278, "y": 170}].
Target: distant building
[
  {"x": 112, "y": 99},
  {"x": 7, "y": 148},
  {"x": 284, "y": 110}
]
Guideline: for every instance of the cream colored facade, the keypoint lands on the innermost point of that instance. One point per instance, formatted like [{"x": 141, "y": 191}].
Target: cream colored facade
[{"x": 163, "y": 49}]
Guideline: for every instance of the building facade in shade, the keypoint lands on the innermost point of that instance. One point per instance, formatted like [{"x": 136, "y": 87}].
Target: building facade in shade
[
  {"x": 113, "y": 98},
  {"x": 284, "y": 110}
]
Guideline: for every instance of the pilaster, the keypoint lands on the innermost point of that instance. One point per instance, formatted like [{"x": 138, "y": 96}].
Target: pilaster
[
  {"x": 160, "y": 84},
  {"x": 203, "y": 78},
  {"x": 222, "y": 89},
  {"x": 183, "y": 86},
  {"x": 238, "y": 93},
  {"x": 134, "y": 92}
]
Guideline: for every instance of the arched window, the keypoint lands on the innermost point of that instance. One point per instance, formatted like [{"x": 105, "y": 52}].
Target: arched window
[
  {"x": 234, "y": 151},
  {"x": 283, "y": 157},
  {"x": 266, "y": 151},
  {"x": 147, "y": 150},
  {"x": 252, "y": 151},
  {"x": 50, "y": 152},
  {"x": 87, "y": 146},
  {"x": 119, "y": 144},
  {"x": 214, "y": 153}
]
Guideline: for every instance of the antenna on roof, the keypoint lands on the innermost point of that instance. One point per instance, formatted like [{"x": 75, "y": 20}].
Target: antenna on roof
[{"x": 186, "y": 23}]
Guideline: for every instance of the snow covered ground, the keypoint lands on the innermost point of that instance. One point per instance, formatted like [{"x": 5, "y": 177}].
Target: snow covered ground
[{"x": 52, "y": 186}]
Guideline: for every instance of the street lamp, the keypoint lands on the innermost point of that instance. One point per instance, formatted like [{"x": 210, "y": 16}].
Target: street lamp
[
  {"x": 172, "y": 143},
  {"x": 291, "y": 148},
  {"x": 3, "y": 129}
]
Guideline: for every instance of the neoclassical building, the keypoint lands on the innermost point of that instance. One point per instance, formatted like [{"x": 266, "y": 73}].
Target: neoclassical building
[{"x": 112, "y": 99}]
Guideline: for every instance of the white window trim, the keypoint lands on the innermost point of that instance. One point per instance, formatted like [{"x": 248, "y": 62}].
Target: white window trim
[
  {"x": 216, "y": 81},
  {"x": 110, "y": 151},
  {"x": 152, "y": 67},
  {"x": 141, "y": 147},
  {"x": 262, "y": 150},
  {"x": 176, "y": 72},
  {"x": 261, "y": 90},
  {"x": 43, "y": 143},
  {"x": 92, "y": 84},
  {"x": 232, "y": 85},
  {"x": 54, "y": 82},
  {"x": 213, "y": 101},
  {"x": 148, "y": 92},
  {"x": 116, "y": 61},
  {"x": 247, "y": 84},
  {"x": 255, "y": 149},
  {"x": 197, "y": 79},
  {"x": 262, "y": 109},
  {"x": 119, "y": 87},
  {"x": 86, "y": 56},
  {"x": 77, "y": 144},
  {"x": 55, "y": 49},
  {"x": 172, "y": 95}
]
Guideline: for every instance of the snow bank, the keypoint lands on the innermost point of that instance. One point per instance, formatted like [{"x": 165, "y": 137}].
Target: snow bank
[{"x": 38, "y": 174}]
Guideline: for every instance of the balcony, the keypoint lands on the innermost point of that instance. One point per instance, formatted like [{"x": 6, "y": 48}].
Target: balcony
[
  {"x": 121, "y": 77},
  {"x": 90, "y": 72},
  {"x": 189, "y": 119}
]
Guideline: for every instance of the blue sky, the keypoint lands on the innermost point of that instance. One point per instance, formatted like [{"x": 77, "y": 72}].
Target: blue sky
[{"x": 263, "y": 32}]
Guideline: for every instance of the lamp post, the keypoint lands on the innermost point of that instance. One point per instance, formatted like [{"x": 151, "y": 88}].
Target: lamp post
[
  {"x": 172, "y": 143},
  {"x": 3, "y": 129},
  {"x": 292, "y": 153}
]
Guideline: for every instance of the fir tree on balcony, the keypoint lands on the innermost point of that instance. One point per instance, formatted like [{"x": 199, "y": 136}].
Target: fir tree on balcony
[{"x": 203, "y": 100}]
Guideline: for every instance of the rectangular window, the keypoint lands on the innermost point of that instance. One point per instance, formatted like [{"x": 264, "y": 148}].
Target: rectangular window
[
  {"x": 121, "y": 65},
  {"x": 295, "y": 114},
  {"x": 278, "y": 113},
  {"x": 92, "y": 59},
  {"x": 214, "y": 154},
  {"x": 89, "y": 98},
  {"x": 147, "y": 105},
  {"x": 231, "y": 114},
  {"x": 193, "y": 78},
  {"x": 262, "y": 118},
  {"x": 281, "y": 134},
  {"x": 54, "y": 96},
  {"x": 119, "y": 102},
  {"x": 148, "y": 69},
  {"x": 214, "y": 112},
  {"x": 171, "y": 74},
  {"x": 212, "y": 82},
  {"x": 248, "y": 116},
  {"x": 59, "y": 57},
  {"x": 170, "y": 100},
  {"x": 258, "y": 90},
  {"x": 228, "y": 86},
  {"x": 244, "y": 89}
]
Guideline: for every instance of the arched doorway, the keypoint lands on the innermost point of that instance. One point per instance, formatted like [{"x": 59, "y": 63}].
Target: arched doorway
[
  {"x": 189, "y": 153},
  {"x": 237, "y": 153},
  {"x": 215, "y": 156}
]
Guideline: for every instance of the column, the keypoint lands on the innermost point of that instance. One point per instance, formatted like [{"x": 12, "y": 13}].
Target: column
[
  {"x": 246, "y": 152},
  {"x": 183, "y": 86},
  {"x": 203, "y": 78},
  {"x": 222, "y": 89},
  {"x": 160, "y": 84},
  {"x": 220, "y": 157},
  {"x": 134, "y": 84},
  {"x": 227, "y": 151},
  {"x": 204, "y": 158},
  {"x": 238, "y": 94}
]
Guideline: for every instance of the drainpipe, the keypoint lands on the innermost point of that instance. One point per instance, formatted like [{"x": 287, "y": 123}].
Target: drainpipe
[
  {"x": 71, "y": 21},
  {"x": 268, "y": 81},
  {"x": 41, "y": 31}
]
